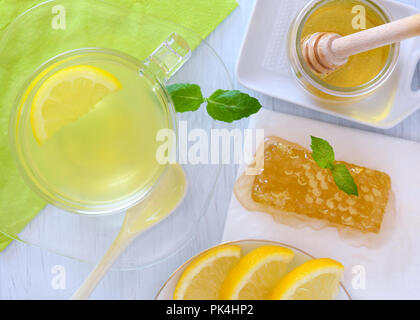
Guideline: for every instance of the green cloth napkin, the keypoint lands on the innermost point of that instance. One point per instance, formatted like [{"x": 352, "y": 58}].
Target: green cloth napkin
[{"x": 33, "y": 45}]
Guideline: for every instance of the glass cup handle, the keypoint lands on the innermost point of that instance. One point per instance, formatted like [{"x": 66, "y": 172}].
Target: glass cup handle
[{"x": 169, "y": 57}]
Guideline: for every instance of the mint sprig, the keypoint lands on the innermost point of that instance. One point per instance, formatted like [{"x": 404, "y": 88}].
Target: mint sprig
[
  {"x": 222, "y": 105},
  {"x": 323, "y": 154}
]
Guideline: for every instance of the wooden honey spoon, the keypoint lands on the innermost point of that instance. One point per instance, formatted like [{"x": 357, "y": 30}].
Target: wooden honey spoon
[{"x": 325, "y": 52}]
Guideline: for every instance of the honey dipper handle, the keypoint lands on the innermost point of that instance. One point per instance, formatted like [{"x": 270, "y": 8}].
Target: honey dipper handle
[{"x": 376, "y": 37}]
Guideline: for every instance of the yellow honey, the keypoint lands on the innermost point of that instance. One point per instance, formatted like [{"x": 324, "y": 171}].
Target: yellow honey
[
  {"x": 291, "y": 181},
  {"x": 338, "y": 16}
]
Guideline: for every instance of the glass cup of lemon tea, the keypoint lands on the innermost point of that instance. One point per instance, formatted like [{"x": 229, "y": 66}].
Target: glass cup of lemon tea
[{"x": 85, "y": 123}]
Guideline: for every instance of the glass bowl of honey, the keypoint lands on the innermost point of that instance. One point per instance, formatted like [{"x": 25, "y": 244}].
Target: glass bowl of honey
[{"x": 364, "y": 72}]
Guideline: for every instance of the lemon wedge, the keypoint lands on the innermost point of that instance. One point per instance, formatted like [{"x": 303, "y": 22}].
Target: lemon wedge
[
  {"x": 317, "y": 279},
  {"x": 256, "y": 274},
  {"x": 67, "y": 95},
  {"x": 202, "y": 279}
]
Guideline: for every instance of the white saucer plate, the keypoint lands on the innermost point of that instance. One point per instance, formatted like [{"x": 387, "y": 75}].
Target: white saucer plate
[{"x": 263, "y": 66}]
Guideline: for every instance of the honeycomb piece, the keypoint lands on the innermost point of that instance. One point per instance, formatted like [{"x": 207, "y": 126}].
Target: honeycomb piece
[{"x": 291, "y": 181}]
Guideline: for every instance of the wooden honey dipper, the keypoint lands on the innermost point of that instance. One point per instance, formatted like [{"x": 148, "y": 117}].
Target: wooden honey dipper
[{"x": 325, "y": 52}]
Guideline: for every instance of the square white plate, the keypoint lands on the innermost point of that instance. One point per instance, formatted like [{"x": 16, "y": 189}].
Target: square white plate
[{"x": 263, "y": 66}]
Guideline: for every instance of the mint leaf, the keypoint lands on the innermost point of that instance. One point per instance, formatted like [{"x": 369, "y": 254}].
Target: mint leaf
[
  {"x": 344, "y": 180},
  {"x": 223, "y": 105},
  {"x": 230, "y": 105},
  {"x": 186, "y": 96},
  {"x": 322, "y": 152}
]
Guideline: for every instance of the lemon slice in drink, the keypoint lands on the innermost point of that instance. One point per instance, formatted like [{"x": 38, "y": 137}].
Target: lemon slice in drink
[
  {"x": 67, "y": 95},
  {"x": 317, "y": 279},
  {"x": 256, "y": 274},
  {"x": 202, "y": 279}
]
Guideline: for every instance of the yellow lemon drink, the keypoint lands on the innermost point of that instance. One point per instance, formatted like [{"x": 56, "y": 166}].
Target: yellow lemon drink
[{"x": 86, "y": 131}]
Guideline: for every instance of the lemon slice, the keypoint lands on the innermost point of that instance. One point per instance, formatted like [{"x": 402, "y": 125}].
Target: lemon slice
[
  {"x": 317, "y": 279},
  {"x": 202, "y": 279},
  {"x": 67, "y": 95},
  {"x": 256, "y": 274}
]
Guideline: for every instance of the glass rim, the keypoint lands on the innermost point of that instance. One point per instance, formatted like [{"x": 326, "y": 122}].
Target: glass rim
[
  {"x": 24, "y": 167},
  {"x": 295, "y": 31}
]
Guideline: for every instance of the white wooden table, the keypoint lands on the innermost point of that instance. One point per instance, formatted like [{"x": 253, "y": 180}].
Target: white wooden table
[{"x": 27, "y": 272}]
